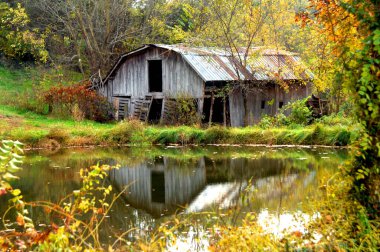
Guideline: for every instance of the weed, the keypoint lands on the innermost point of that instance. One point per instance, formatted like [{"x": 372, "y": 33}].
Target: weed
[
  {"x": 58, "y": 134},
  {"x": 123, "y": 132},
  {"x": 217, "y": 134}
]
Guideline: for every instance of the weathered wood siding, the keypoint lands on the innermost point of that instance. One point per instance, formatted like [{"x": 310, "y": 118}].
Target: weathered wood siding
[
  {"x": 255, "y": 97},
  {"x": 236, "y": 109},
  {"x": 131, "y": 78}
]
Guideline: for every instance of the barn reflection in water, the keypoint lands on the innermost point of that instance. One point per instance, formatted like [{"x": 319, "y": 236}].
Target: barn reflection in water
[{"x": 163, "y": 185}]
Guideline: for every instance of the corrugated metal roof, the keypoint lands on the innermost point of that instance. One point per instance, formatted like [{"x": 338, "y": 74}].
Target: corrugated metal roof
[
  {"x": 214, "y": 64},
  {"x": 263, "y": 64}
]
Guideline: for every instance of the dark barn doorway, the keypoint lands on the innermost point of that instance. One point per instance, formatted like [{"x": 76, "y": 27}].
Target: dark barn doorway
[
  {"x": 155, "y": 75},
  {"x": 155, "y": 111},
  {"x": 220, "y": 110}
]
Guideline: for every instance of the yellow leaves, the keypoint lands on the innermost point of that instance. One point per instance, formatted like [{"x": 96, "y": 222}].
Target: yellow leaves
[
  {"x": 16, "y": 192},
  {"x": 17, "y": 40}
]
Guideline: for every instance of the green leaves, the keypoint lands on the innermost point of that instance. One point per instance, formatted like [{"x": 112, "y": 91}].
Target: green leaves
[
  {"x": 9, "y": 164},
  {"x": 9, "y": 176},
  {"x": 10, "y": 158},
  {"x": 376, "y": 40},
  {"x": 16, "y": 40}
]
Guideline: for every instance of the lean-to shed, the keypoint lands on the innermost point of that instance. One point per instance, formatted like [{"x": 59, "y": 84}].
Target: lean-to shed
[{"x": 142, "y": 82}]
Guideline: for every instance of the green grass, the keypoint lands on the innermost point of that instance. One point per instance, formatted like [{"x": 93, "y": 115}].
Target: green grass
[
  {"x": 15, "y": 80},
  {"x": 18, "y": 85},
  {"x": 34, "y": 129}
]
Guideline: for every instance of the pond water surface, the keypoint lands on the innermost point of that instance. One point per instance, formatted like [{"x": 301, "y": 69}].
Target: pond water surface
[{"x": 163, "y": 181}]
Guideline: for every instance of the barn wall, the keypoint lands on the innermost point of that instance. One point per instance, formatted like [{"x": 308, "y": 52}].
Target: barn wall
[
  {"x": 236, "y": 109},
  {"x": 131, "y": 78},
  {"x": 276, "y": 94},
  {"x": 272, "y": 95},
  {"x": 180, "y": 78}
]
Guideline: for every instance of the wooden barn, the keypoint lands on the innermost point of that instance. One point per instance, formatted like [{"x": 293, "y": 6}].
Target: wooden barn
[{"x": 142, "y": 83}]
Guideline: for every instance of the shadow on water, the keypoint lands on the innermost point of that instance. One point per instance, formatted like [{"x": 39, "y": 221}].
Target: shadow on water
[{"x": 164, "y": 180}]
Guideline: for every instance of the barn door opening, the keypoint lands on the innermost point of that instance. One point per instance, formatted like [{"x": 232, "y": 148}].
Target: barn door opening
[
  {"x": 216, "y": 110},
  {"x": 155, "y": 111},
  {"x": 155, "y": 75}
]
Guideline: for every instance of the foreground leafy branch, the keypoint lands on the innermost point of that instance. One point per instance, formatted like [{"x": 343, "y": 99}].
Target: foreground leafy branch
[{"x": 77, "y": 219}]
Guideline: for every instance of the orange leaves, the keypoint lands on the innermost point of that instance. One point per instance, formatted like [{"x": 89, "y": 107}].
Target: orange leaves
[
  {"x": 69, "y": 94},
  {"x": 79, "y": 99},
  {"x": 303, "y": 17},
  {"x": 334, "y": 21},
  {"x": 20, "y": 220}
]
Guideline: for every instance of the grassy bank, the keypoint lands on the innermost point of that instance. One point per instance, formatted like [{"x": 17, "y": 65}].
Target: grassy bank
[{"x": 40, "y": 131}]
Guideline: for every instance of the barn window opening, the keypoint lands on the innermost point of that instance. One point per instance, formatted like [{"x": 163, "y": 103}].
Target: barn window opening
[
  {"x": 280, "y": 104},
  {"x": 158, "y": 186},
  {"x": 262, "y": 104},
  {"x": 155, "y": 111},
  {"x": 155, "y": 75}
]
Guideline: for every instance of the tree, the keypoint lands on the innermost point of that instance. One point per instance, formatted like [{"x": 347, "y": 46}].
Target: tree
[
  {"x": 353, "y": 29},
  {"x": 16, "y": 40},
  {"x": 88, "y": 33},
  {"x": 243, "y": 28}
]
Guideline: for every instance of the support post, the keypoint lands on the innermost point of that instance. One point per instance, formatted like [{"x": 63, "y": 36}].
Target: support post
[
  {"x": 224, "y": 112},
  {"x": 211, "y": 109}
]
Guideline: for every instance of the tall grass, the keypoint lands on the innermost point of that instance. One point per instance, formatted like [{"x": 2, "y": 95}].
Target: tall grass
[{"x": 34, "y": 129}]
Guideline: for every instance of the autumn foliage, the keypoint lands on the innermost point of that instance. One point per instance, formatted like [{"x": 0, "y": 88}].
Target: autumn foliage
[{"x": 78, "y": 101}]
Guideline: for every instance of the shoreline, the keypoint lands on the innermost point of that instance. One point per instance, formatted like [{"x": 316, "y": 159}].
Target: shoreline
[{"x": 185, "y": 146}]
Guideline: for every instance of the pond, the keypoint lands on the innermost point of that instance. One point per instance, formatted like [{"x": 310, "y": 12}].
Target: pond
[{"x": 163, "y": 181}]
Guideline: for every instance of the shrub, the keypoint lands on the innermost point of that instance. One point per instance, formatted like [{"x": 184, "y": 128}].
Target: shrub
[
  {"x": 343, "y": 138},
  {"x": 77, "y": 113},
  {"x": 336, "y": 119},
  {"x": 183, "y": 111},
  {"x": 217, "y": 134},
  {"x": 63, "y": 100},
  {"x": 266, "y": 122},
  {"x": 125, "y": 131},
  {"x": 58, "y": 134},
  {"x": 299, "y": 112}
]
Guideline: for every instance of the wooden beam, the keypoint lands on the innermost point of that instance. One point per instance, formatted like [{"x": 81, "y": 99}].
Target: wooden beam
[
  {"x": 211, "y": 109},
  {"x": 224, "y": 112}
]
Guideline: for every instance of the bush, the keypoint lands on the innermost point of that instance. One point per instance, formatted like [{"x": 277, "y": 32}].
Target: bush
[
  {"x": 183, "y": 111},
  {"x": 343, "y": 138},
  {"x": 125, "y": 131},
  {"x": 77, "y": 99},
  {"x": 299, "y": 112},
  {"x": 58, "y": 134},
  {"x": 217, "y": 134},
  {"x": 336, "y": 119},
  {"x": 267, "y": 122}
]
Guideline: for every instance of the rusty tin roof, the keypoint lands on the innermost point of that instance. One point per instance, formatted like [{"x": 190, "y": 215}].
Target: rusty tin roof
[{"x": 216, "y": 64}]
